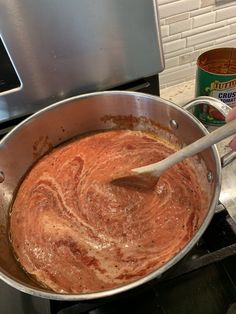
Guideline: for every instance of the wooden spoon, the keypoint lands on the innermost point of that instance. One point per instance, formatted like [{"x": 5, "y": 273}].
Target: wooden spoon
[{"x": 146, "y": 177}]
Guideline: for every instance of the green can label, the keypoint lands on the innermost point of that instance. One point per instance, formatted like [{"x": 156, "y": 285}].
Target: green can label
[{"x": 215, "y": 79}]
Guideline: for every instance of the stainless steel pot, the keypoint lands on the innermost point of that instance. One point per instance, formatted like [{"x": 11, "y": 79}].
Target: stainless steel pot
[{"x": 66, "y": 119}]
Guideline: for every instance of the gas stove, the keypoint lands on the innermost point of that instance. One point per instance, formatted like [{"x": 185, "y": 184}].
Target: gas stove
[{"x": 203, "y": 282}]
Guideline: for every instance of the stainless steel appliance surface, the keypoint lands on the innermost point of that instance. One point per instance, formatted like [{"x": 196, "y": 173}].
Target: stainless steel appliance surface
[{"x": 51, "y": 50}]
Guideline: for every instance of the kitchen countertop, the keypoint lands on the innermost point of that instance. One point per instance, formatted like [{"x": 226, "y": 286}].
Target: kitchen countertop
[{"x": 179, "y": 94}]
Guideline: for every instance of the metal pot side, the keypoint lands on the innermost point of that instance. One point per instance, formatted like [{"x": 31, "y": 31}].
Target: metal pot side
[{"x": 60, "y": 122}]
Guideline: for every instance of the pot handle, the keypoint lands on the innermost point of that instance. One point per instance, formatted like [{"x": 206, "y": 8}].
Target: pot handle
[{"x": 222, "y": 108}]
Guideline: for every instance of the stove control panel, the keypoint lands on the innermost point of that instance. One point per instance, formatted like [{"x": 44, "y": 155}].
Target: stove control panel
[{"x": 9, "y": 79}]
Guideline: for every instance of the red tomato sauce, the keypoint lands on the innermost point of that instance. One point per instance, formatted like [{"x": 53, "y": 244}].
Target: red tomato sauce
[{"x": 75, "y": 232}]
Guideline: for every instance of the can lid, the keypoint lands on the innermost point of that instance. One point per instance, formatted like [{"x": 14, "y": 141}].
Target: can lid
[{"x": 218, "y": 61}]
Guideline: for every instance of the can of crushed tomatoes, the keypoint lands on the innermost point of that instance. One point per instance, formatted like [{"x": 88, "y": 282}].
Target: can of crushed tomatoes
[{"x": 216, "y": 77}]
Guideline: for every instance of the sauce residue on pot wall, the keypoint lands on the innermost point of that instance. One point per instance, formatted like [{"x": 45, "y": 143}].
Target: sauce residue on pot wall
[
  {"x": 75, "y": 232},
  {"x": 40, "y": 146}
]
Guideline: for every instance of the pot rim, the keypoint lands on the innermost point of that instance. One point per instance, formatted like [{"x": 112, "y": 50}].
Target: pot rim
[{"x": 39, "y": 292}]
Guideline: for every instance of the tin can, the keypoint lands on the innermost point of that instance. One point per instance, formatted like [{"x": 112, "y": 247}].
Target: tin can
[{"x": 216, "y": 77}]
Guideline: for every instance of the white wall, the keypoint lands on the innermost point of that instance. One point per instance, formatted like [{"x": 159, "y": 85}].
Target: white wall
[{"x": 190, "y": 27}]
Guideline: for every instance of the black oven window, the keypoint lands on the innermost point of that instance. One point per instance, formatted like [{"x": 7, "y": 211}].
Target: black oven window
[{"x": 8, "y": 76}]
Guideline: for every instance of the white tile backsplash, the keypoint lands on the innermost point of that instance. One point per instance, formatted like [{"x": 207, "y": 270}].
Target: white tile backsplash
[
  {"x": 207, "y": 45},
  {"x": 202, "y": 29},
  {"x": 175, "y": 45},
  {"x": 232, "y": 20},
  {"x": 177, "y": 7},
  {"x": 189, "y": 28},
  {"x": 204, "y": 19},
  {"x": 233, "y": 28},
  {"x": 200, "y": 11},
  {"x": 225, "y": 13},
  {"x": 177, "y": 18},
  {"x": 179, "y": 74},
  {"x": 181, "y": 26},
  {"x": 208, "y": 35},
  {"x": 188, "y": 57},
  {"x": 206, "y": 3},
  {"x": 172, "y": 62},
  {"x": 164, "y": 31},
  {"x": 230, "y": 40},
  {"x": 176, "y": 53},
  {"x": 167, "y": 39}
]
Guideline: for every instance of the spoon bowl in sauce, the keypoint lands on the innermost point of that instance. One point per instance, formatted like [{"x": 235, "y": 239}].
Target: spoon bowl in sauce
[{"x": 146, "y": 177}]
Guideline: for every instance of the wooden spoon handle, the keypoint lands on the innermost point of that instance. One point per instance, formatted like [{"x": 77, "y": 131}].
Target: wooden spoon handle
[{"x": 204, "y": 142}]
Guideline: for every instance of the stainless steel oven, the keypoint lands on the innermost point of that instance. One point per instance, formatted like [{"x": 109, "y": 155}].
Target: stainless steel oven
[{"x": 54, "y": 49}]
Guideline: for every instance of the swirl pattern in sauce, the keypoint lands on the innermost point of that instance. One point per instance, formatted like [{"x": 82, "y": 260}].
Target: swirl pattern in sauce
[{"x": 75, "y": 232}]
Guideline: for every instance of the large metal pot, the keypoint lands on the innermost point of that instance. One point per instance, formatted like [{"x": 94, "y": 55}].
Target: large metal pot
[{"x": 66, "y": 119}]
